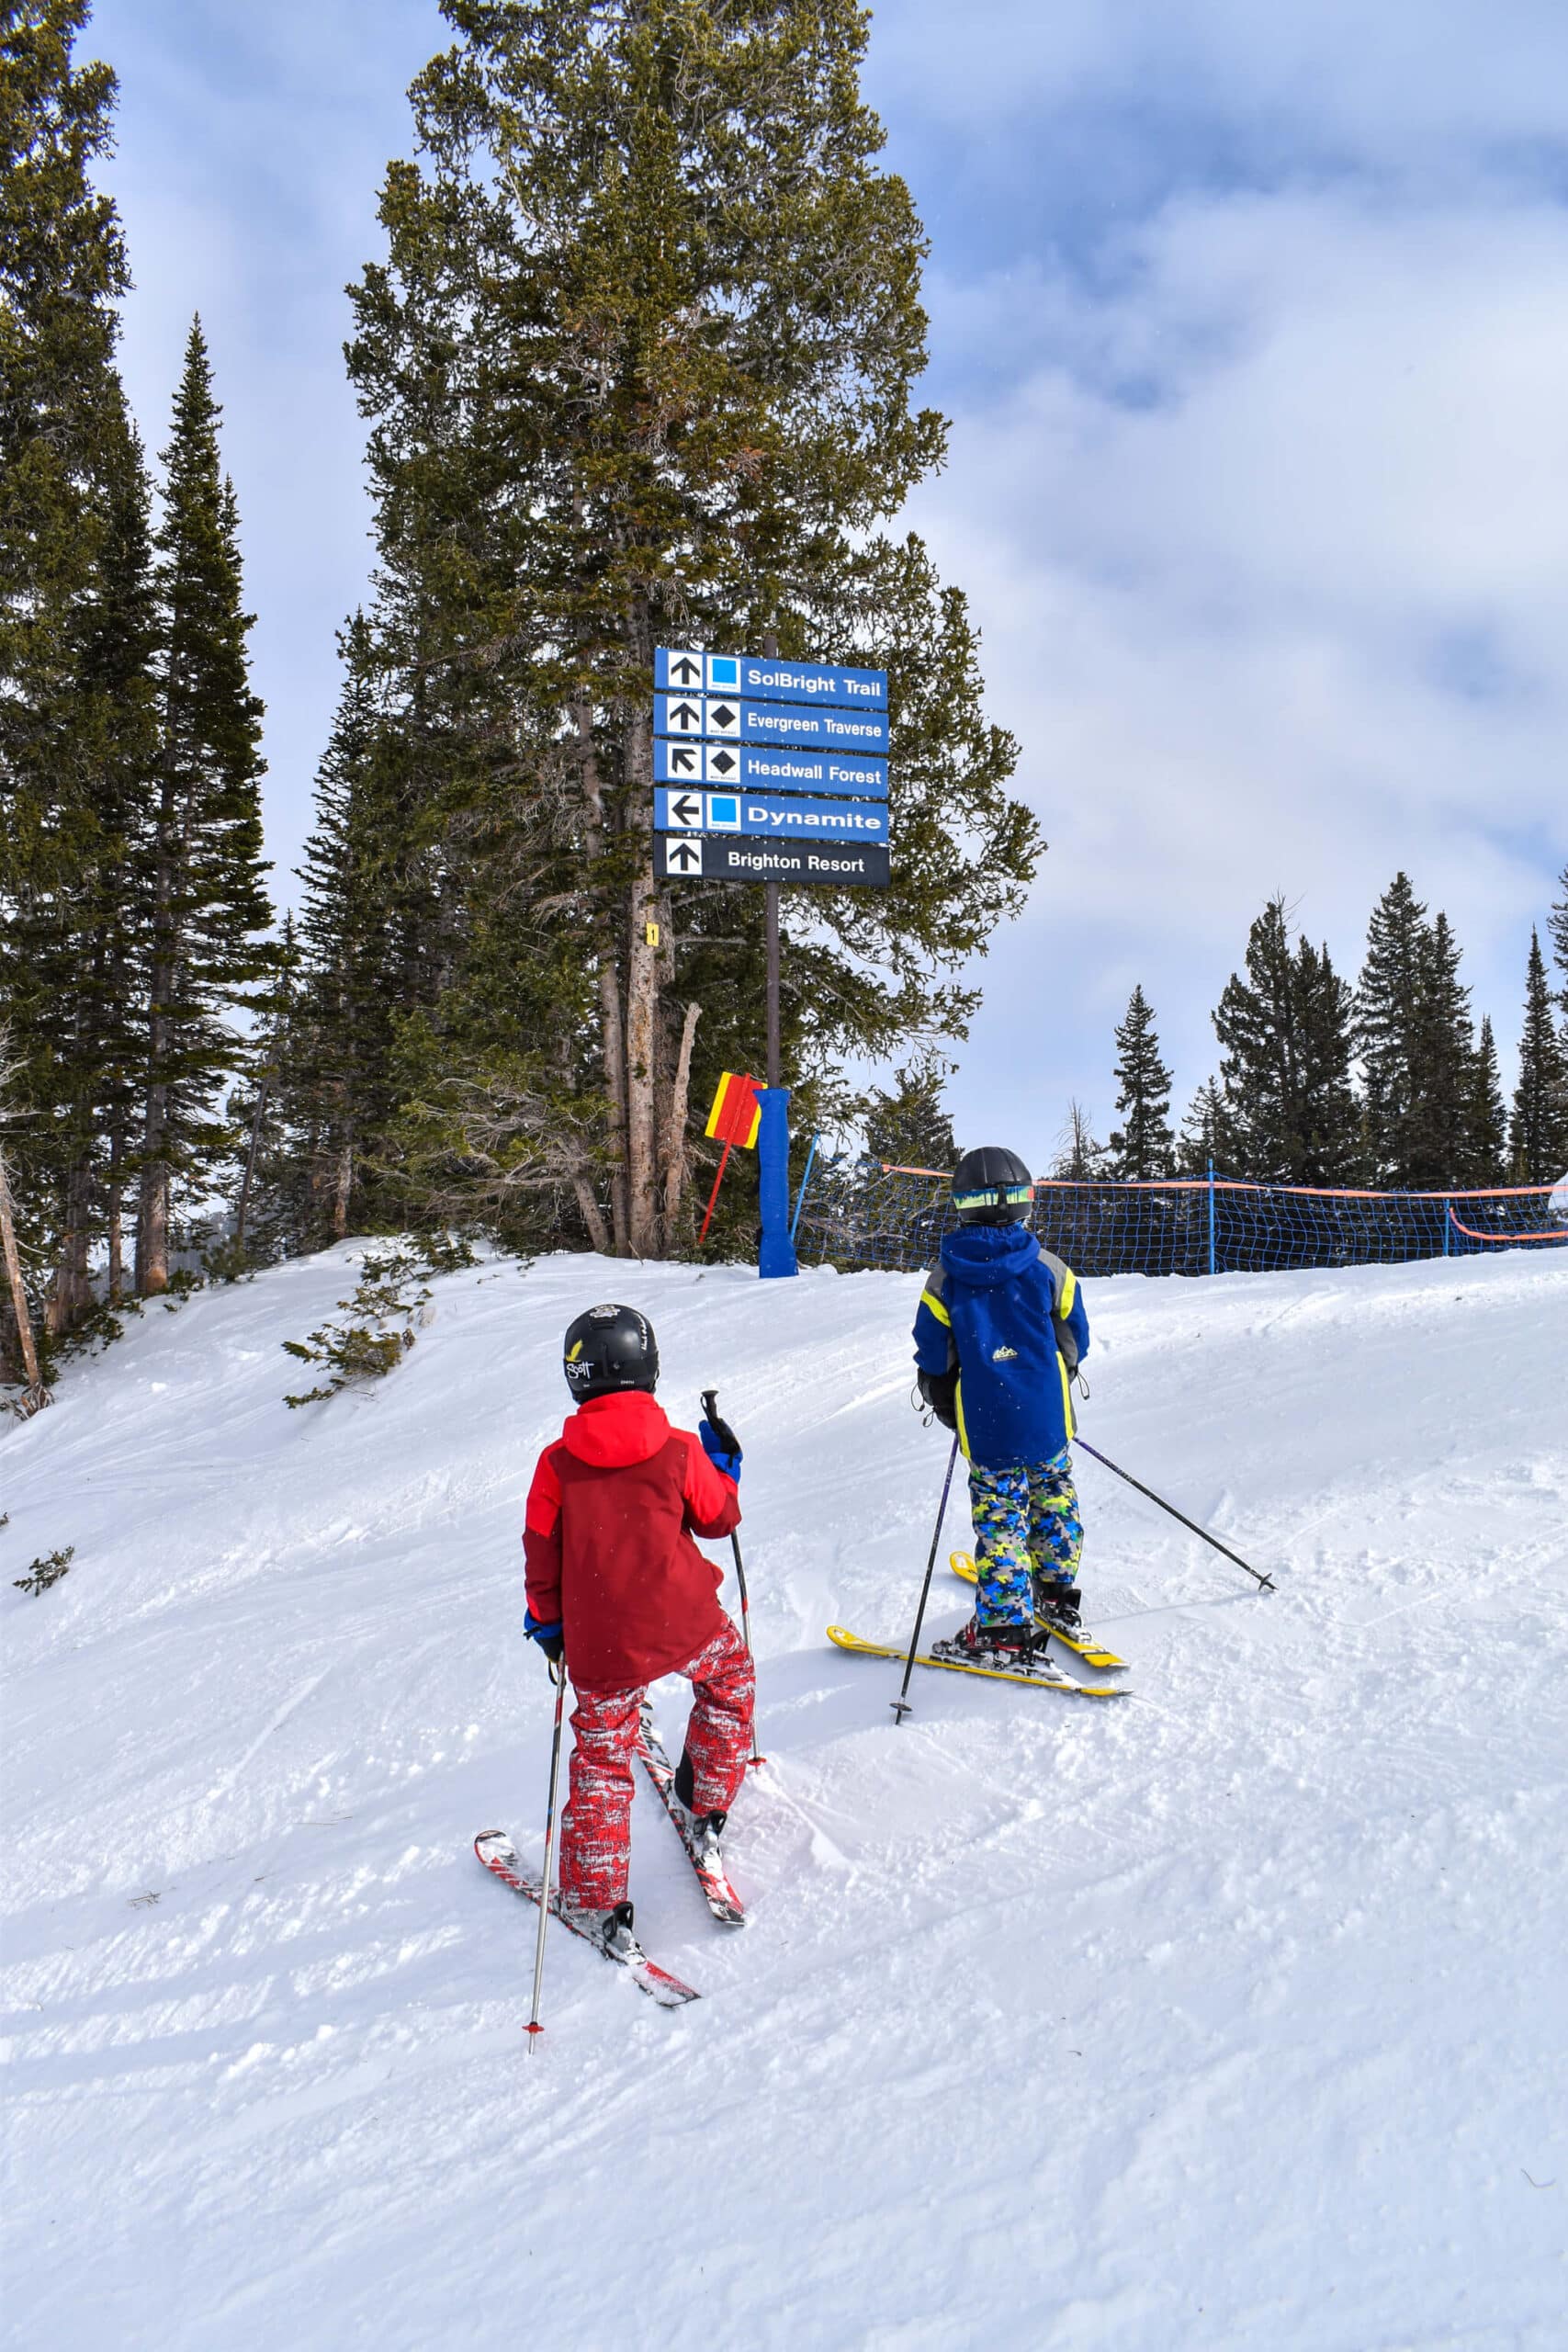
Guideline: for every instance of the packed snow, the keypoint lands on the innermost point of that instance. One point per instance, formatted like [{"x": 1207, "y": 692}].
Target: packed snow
[{"x": 1232, "y": 2014}]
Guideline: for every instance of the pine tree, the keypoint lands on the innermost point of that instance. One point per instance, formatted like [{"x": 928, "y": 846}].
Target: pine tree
[
  {"x": 1486, "y": 1117},
  {"x": 1389, "y": 997},
  {"x": 1208, "y": 1139},
  {"x": 75, "y": 651},
  {"x": 1285, "y": 1064},
  {"x": 638, "y": 367},
  {"x": 208, "y": 911},
  {"x": 338, "y": 1086},
  {"x": 1537, "y": 1137},
  {"x": 1142, "y": 1146},
  {"x": 909, "y": 1128},
  {"x": 1557, "y": 920}
]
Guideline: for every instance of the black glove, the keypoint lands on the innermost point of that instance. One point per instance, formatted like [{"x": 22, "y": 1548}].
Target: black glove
[
  {"x": 550, "y": 1638},
  {"x": 940, "y": 1390}
]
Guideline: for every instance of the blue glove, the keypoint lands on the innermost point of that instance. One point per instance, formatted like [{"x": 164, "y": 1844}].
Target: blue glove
[
  {"x": 550, "y": 1638},
  {"x": 723, "y": 1449}
]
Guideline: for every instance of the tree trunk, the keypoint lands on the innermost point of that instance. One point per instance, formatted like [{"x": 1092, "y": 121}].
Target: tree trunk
[
  {"x": 643, "y": 963},
  {"x": 71, "y": 1295},
  {"x": 593, "y": 1215},
  {"x": 115, "y": 1215},
  {"x": 610, "y": 1026},
  {"x": 674, "y": 1154},
  {"x": 152, "y": 1208},
  {"x": 35, "y": 1394},
  {"x": 344, "y": 1187},
  {"x": 242, "y": 1209}
]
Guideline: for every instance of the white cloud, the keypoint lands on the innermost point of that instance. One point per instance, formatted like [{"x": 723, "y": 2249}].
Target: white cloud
[{"x": 1267, "y": 546}]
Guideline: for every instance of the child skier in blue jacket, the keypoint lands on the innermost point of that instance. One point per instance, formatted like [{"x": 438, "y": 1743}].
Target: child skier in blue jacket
[{"x": 999, "y": 1331}]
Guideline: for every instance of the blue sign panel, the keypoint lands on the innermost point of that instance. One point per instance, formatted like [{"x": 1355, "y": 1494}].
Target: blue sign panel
[
  {"x": 676, "y": 811},
  {"x": 736, "y": 719},
  {"x": 766, "y": 677},
  {"x": 783, "y": 771}
]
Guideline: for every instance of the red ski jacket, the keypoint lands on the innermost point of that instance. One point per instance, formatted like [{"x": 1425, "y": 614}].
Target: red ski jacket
[{"x": 607, "y": 1538}]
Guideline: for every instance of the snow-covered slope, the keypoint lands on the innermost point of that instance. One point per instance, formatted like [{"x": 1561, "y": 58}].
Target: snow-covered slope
[{"x": 1233, "y": 2015}]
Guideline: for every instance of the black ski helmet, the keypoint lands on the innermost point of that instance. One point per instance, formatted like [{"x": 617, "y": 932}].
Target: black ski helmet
[
  {"x": 991, "y": 1187},
  {"x": 608, "y": 1348}
]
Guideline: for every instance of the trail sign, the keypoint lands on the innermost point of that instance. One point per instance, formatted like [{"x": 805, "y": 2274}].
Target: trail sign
[
  {"x": 739, "y": 764},
  {"x": 684, "y": 857},
  {"x": 779, "y": 816},
  {"x": 768, "y": 678},
  {"x": 735, "y": 718}
]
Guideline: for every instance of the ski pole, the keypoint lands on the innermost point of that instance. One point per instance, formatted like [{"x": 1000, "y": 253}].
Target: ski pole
[
  {"x": 1266, "y": 1582},
  {"x": 710, "y": 1408},
  {"x": 551, "y": 1827},
  {"x": 901, "y": 1705}
]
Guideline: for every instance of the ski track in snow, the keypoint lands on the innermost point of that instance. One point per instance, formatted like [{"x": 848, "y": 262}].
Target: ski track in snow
[{"x": 1233, "y": 2016}]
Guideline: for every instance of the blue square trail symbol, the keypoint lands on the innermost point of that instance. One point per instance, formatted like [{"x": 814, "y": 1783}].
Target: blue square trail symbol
[
  {"x": 724, "y": 669},
  {"x": 724, "y": 812}
]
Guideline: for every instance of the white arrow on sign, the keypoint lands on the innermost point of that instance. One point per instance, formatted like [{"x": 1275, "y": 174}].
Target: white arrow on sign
[
  {"x": 686, "y": 809},
  {"x": 723, "y": 716},
  {"x": 684, "y": 759},
  {"x": 684, "y": 857}
]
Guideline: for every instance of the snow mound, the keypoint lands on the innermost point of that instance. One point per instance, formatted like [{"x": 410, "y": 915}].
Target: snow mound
[{"x": 1232, "y": 2015}]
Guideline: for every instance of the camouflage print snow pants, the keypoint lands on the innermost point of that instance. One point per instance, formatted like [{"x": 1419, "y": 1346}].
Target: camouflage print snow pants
[
  {"x": 595, "y": 1828},
  {"x": 1028, "y": 1535}
]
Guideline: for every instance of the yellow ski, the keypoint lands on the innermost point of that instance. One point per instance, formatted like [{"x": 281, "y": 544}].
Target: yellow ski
[
  {"x": 848, "y": 1641},
  {"x": 1093, "y": 1654}
]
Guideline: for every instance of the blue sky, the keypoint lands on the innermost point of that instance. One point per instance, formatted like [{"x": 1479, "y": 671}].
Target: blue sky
[{"x": 1252, "y": 326}]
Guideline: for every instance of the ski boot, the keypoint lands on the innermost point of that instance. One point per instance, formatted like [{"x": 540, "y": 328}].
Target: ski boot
[
  {"x": 705, "y": 1828},
  {"x": 613, "y": 1928},
  {"x": 1059, "y": 1605},
  {"x": 1008, "y": 1647}
]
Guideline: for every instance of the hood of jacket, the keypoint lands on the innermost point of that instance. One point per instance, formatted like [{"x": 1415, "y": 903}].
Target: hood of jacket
[
  {"x": 985, "y": 1256},
  {"x": 612, "y": 1432}
]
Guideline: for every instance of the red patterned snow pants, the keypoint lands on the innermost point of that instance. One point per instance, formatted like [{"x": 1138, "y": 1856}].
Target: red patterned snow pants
[{"x": 595, "y": 1839}]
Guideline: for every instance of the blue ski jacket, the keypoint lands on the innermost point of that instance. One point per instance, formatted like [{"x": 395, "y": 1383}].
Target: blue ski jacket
[{"x": 1008, "y": 1318}]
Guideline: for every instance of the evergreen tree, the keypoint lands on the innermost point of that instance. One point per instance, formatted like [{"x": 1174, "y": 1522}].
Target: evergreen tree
[
  {"x": 1559, "y": 925},
  {"x": 1285, "y": 1064},
  {"x": 1538, "y": 1137},
  {"x": 1389, "y": 997},
  {"x": 1486, "y": 1117},
  {"x": 208, "y": 911},
  {"x": 1142, "y": 1146},
  {"x": 638, "y": 370},
  {"x": 1208, "y": 1139},
  {"x": 337, "y": 1084},
  {"x": 75, "y": 652},
  {"x": 910, "y": 1128}
]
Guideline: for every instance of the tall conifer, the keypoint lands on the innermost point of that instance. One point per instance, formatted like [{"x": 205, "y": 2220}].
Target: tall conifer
[
  {"x": 1142, "y": 1146},
  {"x": 75, "y": 651},
  {"x": 1537, "y": 1137},
  {"x": 1557, "y": 920},
  {"x": 1285, "y": 1064},
  {"x": 1486, "y": 1119},
  {"x": 638, "y": 369},
  {"x": 208, "y": 909}
]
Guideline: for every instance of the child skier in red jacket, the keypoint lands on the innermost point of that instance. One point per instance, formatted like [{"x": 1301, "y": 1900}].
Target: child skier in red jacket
[{"x": 616, "y": 1584}]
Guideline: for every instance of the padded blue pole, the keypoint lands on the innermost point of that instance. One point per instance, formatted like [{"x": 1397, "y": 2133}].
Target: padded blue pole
[{"x": 775, "y": 1254}]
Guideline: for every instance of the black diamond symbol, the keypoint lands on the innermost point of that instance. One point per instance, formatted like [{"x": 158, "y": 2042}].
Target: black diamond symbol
[
  {"x": 723, "y": 762},
  {"x": 723, "y": 716}
]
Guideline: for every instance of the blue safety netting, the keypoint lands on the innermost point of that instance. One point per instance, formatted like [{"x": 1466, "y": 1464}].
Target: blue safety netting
[{"x": 864, "y": 1214}]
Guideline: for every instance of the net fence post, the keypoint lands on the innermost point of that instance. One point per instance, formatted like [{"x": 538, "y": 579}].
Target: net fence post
[{"x": 1210, "y": 1217}]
